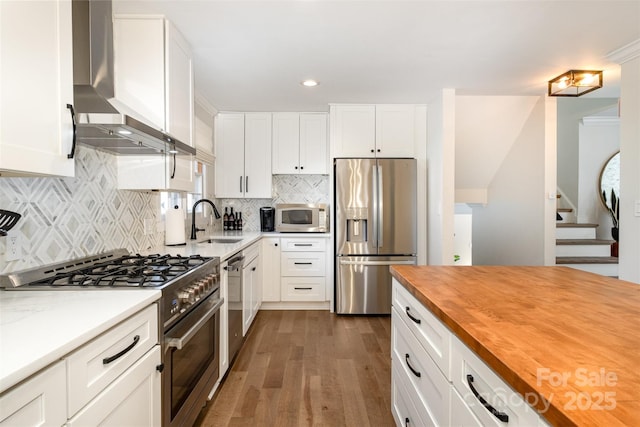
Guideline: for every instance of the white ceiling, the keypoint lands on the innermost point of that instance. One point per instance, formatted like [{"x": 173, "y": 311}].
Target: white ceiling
[{"x": 252, "y": 55}]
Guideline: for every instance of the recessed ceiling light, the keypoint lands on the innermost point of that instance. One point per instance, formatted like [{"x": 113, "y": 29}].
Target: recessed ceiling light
[
  {"x": 124, "y": 132},
  {"x": 310, "y": 83}
]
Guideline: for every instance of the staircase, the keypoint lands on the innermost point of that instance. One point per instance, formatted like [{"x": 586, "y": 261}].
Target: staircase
[{"x": 577, "y": 247}]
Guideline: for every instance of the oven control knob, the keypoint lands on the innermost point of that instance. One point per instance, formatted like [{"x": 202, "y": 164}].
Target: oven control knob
[
  {"x": 193, "y": 295},
  {"x": 184, "y": 297}
]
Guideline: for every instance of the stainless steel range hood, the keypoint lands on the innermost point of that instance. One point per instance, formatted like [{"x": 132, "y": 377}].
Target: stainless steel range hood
[{"x": 99, "y": 123}]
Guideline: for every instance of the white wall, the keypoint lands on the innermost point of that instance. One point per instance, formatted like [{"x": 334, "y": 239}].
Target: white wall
[
  {"x": 599, "y": 140},
  {"x": 629, "y": 267},
  {"x": 440, "y": 178},
  {"x": 511, "y": 229},
  {"x": 570, "y": 113},
  {"x": 486, "y": 128}
]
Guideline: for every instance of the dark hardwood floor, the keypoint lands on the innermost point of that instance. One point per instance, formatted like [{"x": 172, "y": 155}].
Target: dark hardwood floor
[{"x": 308, "y": 368}]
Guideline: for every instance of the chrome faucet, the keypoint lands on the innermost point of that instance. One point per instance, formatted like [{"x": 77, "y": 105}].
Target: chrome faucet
[{"x": 194, "y": 230}]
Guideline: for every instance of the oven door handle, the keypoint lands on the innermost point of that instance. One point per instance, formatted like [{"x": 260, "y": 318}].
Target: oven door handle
[{"x": 180, "y": 342}]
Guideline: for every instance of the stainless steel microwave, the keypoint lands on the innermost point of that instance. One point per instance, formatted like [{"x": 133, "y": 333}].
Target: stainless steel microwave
[{"x": 302, "y": 218}]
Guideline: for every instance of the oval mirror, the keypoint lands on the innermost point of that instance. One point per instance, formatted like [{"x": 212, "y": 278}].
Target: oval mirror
[{"x": 610, "y": 179}]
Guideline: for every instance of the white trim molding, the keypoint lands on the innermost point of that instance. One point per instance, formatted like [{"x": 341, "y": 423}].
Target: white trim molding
[{"x": 625, "y": 53}]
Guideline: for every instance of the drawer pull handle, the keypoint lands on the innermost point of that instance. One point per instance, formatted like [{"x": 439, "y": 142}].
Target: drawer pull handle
[
  {"x": 110, "y": 359},
  {"x": 303, "y": 263},
  {"x": 303, "y": 244},
  {"x": 302, "y": 289},
  {"x": 499, "y": 415},
  {"x": 406, "y": 422},
  {"x": 418, "y": 321},
  {"x": 406, "y": 359}
]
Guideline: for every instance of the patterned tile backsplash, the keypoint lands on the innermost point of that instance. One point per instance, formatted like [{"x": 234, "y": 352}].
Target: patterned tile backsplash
[
  {"x": 286, "y": 189},
  {"x": 65, "y": 218}
]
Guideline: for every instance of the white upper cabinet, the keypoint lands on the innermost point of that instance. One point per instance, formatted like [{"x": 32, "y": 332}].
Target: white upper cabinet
[
  {"x": 243, "y": 155},
  {"x": 169, "y": 172},
  {"x": 300, "y": 143},
  {"x": 36, "y": 126},
  {"x": 395, "y": 130},
  {"x": 154, "y": 83},
  {"x": 373, "y": 130},
  {"x": 154, "y": 74},
  {"x": 353, "y": 130}
]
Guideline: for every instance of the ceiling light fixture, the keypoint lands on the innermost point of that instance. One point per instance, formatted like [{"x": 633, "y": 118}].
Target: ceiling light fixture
[
  {"x": 310, "y": 83},
  {"x": 575, "y": 83}
]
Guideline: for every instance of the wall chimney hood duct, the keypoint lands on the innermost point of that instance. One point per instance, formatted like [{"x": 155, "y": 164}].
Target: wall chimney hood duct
[{"x": 99, "y": 123}]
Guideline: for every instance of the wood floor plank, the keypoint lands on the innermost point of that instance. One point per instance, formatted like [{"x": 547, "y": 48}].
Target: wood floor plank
[{"x": 308, "y": 368}]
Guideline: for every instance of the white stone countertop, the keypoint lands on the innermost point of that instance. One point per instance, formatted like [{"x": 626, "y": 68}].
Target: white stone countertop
[
  {"x": 40, "y": 327},
  {"x": 238, "y": 240}
]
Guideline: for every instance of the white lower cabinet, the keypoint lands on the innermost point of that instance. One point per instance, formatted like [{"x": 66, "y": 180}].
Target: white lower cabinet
[
  {"x": 303, "y": 269},
  {"x": 251, "y": 286},
  {"x": 112, "y": 380},
  {"x": 472, "y": 378},
  {"x": 438, "y": 380},
  {"x": 303, "y": 288},
  {"x": 420, "y": 374},
  {"x": 39, "y": 401},
  {"x": 270, "y": 269},
  {"x": 133, "y": 399},
  {"x": 94, "y": 366}
]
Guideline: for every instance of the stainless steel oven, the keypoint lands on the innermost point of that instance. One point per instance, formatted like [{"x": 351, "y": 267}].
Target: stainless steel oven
[{"x": 191, "y": 362}]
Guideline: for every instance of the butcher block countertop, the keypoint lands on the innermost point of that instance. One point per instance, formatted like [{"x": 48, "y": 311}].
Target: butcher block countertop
[{"x": 572, "y": 338}]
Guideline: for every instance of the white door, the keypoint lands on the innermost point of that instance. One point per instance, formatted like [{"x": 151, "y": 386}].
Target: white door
[
  {"x": 36, "y": 127},
  {"x": 257, "y": 156},
  {"x": 229, "y": 143},
  {"x": 314, "y": 153},
  {"x": 286, "y": 143}
]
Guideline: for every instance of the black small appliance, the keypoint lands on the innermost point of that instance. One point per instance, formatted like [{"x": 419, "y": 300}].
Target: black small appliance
[{"x": 267, "y": 219}]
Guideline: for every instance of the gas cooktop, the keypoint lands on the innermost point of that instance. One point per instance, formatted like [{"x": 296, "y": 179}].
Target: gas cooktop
[{"x": 115, "y": 269}]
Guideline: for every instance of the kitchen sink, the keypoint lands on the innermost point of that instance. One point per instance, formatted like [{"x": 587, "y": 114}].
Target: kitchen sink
[{"x": 222, "y": 240}]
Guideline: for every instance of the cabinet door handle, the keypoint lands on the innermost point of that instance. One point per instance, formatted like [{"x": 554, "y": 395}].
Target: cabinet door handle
[
  {"x": 415, "y": 319},
  {"x": 241, "y": 184},
  {"x": 303, "y": 263},
  {"x": 295, "y": 167},
  {"x": 246, "y": 184},
  {"x": 75, "y": 132},
  {"x": 499, "y": 415},
  {"x": 301, "y": 167},
  {"x": 406, "y": 359},
  {"x": 253, "y": 269},
  {"x": 302, "y": 289},
  {"x": 173, "y": 173},
  {"x": 110, "y": 359}
]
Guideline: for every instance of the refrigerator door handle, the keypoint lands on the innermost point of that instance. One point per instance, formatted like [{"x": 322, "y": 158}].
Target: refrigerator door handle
[
  {"x": 342, "y": 262},
  {"x": 380, "y": 221},
  {"x": 375, "y": 199}
]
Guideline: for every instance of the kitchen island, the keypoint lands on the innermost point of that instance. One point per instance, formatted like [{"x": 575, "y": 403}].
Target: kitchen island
[{"x": 565, "y": 341}]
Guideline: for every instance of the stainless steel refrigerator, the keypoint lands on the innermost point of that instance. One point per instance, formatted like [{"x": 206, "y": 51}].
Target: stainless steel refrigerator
[{"x": 375, "y": 227}]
